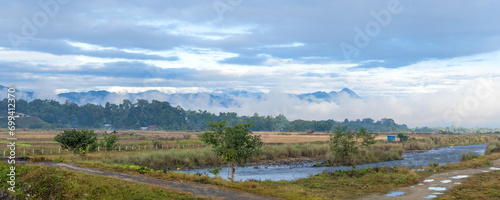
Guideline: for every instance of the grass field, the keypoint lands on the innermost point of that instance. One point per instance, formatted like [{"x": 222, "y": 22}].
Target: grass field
[{"x": 40, "y": 182}]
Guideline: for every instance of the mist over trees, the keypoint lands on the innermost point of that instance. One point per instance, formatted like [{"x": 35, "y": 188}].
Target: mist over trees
[{"x": 143, "y": 113}]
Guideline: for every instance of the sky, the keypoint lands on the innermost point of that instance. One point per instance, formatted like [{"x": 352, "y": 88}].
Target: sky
[{"x": 421, "y": 62}]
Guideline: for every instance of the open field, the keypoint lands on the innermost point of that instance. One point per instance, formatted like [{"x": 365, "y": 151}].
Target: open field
[{"x": 38, "y": 137}]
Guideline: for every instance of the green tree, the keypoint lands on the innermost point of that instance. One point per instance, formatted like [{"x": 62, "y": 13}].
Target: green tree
[
  {"x": 346, "y": 145},
  {"x": 76, "y": 141},
  {"x": 402, "y": 137},
  {"x": 235, "y": 144}
]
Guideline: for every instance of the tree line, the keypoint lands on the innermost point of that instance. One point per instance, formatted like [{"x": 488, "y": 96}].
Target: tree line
[{"x": 143, "y": 113}]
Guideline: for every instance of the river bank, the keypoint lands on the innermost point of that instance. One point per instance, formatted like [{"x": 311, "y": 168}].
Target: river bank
[{"x": 441, "y": 155}]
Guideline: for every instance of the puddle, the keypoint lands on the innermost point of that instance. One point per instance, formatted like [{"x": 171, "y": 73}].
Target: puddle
[
  {"x": 420, "y": 184},
  {"x": 446, "y": 181},
  {"x": 437, "y": 193},
  {"x": 494, "y": 168},
  {"x": 430, "y": 196},
  {"x": 458, "y": 183},
  {"x": 394, "y": 194},
  {"x": 437, "y": 188},
  {"x": 428, "y": 180},
  {"x": 460, "y": 176},
  {"x": 412, "y": 186}
]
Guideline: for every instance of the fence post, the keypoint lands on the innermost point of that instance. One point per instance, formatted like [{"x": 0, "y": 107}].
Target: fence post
[
  {"x": 4, "y": 152},
  {"x": 59, "y": 150},
  {"x": 24, "y": 151},
  {"x": 120, "y": 147},
  {"x": 97, "y": 148},
  {"x": 139, "y": 147},
  {"x": 145, "y": 147},
  {"x": 67, "y": 150},
  {"x": 178, "y": 146}
]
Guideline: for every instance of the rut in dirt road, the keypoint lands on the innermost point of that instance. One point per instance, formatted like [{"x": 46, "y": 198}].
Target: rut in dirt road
[
  {"x": 197, "y": 189},
  {"x": 435, "y": 185}
]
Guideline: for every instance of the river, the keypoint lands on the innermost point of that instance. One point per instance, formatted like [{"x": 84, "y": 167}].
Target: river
[{"x": 442, "y": 155}]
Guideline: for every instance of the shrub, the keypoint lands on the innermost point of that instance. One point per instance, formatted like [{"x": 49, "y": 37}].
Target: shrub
[
  {"x": 186, "y": 136},
  {"x": 492, "y": 147},
  {"x": 156, "y": 143},
  {"x": 433, "y": 164},
  {"x": 470, "y": 156},
  {"x": 77, "y": 141}
]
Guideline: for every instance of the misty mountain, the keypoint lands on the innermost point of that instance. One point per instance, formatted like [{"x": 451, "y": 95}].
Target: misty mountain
[
  {"x": 329, "y": 97},
  {"x": 20, "y": 94},
  {"x": 224, "y": 98}
]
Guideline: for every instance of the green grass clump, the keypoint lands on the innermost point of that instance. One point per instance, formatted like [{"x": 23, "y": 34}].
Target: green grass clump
[
  {"x": 40, "y": 182},
  {"x": 470, "y": 156},
  {"x": 492, "y": 147}
]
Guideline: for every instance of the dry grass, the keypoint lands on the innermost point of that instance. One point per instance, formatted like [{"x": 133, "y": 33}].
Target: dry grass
[{"x": 474, "y": 163}]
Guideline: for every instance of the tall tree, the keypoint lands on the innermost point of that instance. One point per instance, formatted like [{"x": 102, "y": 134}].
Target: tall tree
[{"x": 235, "y": 144}]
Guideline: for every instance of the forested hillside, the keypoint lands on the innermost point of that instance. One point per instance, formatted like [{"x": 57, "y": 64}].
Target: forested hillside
[{"x": 52, "y": 114}]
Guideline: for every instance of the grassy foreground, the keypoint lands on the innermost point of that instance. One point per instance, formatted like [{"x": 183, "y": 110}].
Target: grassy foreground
[
  {"x": 480, "y": 186},
  {"x": 40, "y": 182},
  {"x": 338, "y": 185},
  {"x": 46, "y": 182}
]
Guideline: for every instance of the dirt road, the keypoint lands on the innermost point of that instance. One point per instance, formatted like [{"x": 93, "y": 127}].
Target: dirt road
[
  {"x": 435, "y": 185},
  {"x": 197, "y": 189}
]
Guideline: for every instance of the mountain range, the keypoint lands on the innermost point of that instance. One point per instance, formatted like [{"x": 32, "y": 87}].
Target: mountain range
[
  {"x": 20, "y": 94},
  {"x": 221, "y": 98}
]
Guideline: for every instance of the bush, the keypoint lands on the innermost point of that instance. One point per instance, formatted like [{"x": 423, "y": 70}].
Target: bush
[
  {"x": 492, "y": 147},
  {"x": 77, "y": 141},
  {"x": 186, "y": 136},
  {"x": 433, "y": 164},
  {"x": 470, "y": 156},
  {"x": 156, "y": 143}
]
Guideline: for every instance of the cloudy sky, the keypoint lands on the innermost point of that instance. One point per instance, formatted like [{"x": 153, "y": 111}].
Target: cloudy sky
[{"x": 398, "y": 51}]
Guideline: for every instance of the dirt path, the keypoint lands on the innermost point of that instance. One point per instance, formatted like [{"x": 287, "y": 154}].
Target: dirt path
[
  {"x": 435, "y": 185},
  {"x": 197, "y": 189}
]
